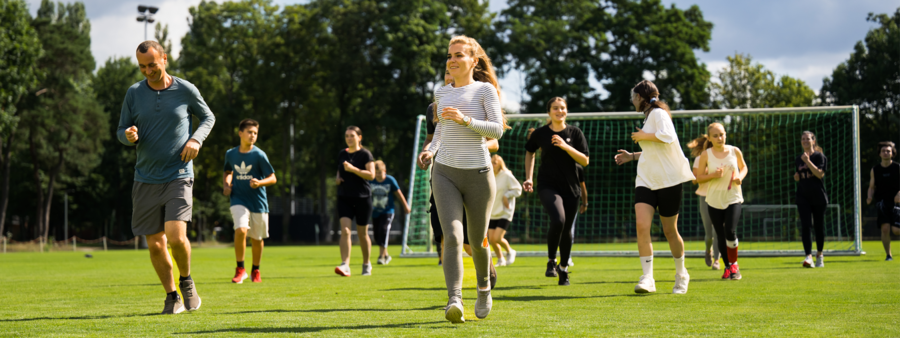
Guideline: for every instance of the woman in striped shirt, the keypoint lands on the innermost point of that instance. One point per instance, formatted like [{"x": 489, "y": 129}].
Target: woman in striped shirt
[{"x": 462, "y": 179}]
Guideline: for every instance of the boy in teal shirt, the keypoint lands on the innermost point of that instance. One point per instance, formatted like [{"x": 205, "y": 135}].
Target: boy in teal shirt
[{"x": 247, "y": 189}]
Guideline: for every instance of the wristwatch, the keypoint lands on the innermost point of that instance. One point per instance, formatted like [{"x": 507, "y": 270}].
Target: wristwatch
[{"x": 467, "y": 119}]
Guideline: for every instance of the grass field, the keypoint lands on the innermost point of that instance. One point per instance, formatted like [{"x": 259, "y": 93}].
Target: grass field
[{"x": 116, "y": 293}]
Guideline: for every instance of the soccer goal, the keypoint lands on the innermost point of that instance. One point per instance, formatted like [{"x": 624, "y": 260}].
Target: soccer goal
[{"x": 770, "y": 224}]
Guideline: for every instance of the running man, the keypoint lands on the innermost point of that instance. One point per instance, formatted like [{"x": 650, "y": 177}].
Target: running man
[
  {"x": 884, "y": 190},
  {"x": 384, "y": 190},
  {"x": 156, "y": 119},
  {"x": 247, "y": 189}
]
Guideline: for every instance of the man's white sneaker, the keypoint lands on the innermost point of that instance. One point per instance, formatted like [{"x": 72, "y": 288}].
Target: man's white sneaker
[
  {"x": 500, "y": 261},
  {"x": 820, "y": 261},
  {"x": 483, "y": 304},
  {"x": 510, "y": 257},
  {"x": 645, "y": 285},
  {"x": 387, "y": 260},
  {"x": 570, "y": 262},
  {"x": 381, "y": 260},
  {"x": 808, "y": 262},
  {"x": 343, "y": 270},
  {"x": 681, "y": 283},
  {"x": 367, "y": 269},
  {"x": 454, "y": 312}
]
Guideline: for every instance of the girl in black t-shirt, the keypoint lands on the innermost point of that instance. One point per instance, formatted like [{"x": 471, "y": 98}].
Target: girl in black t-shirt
[
  {"x": 356, "y": 168},
  {"x": 562, "y": 147},
  {"x": 884, "y": 191},
  {"x": 811, "y": 197}
]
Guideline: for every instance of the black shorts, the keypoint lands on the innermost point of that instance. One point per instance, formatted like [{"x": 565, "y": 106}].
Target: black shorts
[
  {"x": 667, "y": 200},
  {"x": 436, "y": 224},
  {"x": 886, "y": 213},
  {"x": 498, "y": 223},
  {"x": 359, "y": 208}
]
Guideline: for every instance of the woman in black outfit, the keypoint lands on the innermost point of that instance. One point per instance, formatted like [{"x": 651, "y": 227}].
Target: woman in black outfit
[
  {"x": 562, "y": 147},
  {"x": 355, "y": 169},
  {"x": 811, "y": 197}
]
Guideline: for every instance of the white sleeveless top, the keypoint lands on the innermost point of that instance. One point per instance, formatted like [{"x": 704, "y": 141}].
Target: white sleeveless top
[
  {"x": 703, "y": 187},
  {"x": 721, "y": 191}
]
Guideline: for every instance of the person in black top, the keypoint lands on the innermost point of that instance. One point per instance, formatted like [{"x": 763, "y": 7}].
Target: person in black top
[
  {"x": 884, "y": 190},
  {"x": 811, "y": 197},
  {"x": 356, "y": 168},
  {"x": 492, "y": 145},
  {"x": 562, "y": 147}
]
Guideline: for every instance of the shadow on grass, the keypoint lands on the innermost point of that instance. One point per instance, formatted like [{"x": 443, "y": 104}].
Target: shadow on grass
[
  {"x": 301, "y": 329},
  {"x": 658, "y": 281},
  {"x": 499, "y": 288},
  {"x": 430, "y": 308},
  {"x": 548, "y": 298},
  {"x": 78, "y": 317}
]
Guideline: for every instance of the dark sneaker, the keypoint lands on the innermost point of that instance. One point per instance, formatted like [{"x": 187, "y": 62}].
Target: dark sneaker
[
  {"x": 889, "y": 258},
  {"x": 563, "y": 276},
  {"x": 708, "y": 258},
  {"x": 173, "y": 306},
  {"x": 551, "y": 269},
  {"x": 493, "y": 276},
  {"x": 735, "y": 272},
  {"x": 191, "y": 298}
]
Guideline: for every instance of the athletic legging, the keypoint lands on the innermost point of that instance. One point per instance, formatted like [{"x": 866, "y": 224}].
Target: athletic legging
[
  {"x": 562, "y": 212},
  {"x": 469, "y": 191},
  {"x": 812, "y": 216},
  {"x": 725, "y": 222}
]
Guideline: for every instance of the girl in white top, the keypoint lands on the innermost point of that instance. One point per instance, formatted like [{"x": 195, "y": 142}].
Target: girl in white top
[
  {"x": 462, "y": 181},
  {"x": 662, "y": 168},
  {"x": 508, "y": 189},
  {"x": 698, "y": 146},
  {"x": 726, "y": 171}
]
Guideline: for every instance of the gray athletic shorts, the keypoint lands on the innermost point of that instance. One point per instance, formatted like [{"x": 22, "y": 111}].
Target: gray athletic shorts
[{"x": 156, "y": 204}]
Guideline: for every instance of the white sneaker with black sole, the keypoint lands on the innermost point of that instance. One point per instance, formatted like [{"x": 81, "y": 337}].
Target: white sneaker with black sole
[{"x": 645, "y": 285}]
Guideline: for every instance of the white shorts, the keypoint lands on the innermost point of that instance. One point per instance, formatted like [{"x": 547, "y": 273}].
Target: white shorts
[{"x": 258, "y": 223}]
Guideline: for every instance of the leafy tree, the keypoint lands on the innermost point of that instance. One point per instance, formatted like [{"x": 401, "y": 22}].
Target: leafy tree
[
  {"x": 743, "y": 84},
  {"x": 645, "y": 37},
  {"x": 870, "y": 78},
  {"x": 66, "y": 126},
  {"x": 20, "y": 50},
  {"x": 553, "y": 43}
]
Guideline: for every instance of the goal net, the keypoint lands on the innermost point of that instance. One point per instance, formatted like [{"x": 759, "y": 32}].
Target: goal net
[{"x": 769, "y": 225}]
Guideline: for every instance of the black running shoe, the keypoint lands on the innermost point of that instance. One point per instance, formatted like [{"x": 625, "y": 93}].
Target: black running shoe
[
  {"x": 563, "y": 276},
  {"x": 493, "y": 276},
  {"x": 551, "y": 269},
  {"x": 889, "y": 258}
]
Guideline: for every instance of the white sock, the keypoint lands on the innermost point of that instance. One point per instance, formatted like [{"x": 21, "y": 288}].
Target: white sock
[
  {"x": 564, "y": 268},
  {"x": 679, "y": 266},
  {"x": 647, "y": 265}
]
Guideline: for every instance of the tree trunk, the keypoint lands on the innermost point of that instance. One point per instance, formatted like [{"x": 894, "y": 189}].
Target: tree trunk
[
  {"x": 54, "y": 173},
  {"x": 323, "y": 197},
  {"x": 39, "y": 221},
  {"x": 4, "y": 179},
  {"x": 287, "y": 199}
]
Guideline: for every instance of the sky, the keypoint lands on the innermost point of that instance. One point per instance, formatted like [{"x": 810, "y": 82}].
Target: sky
[{"x": 804, "y": 39}]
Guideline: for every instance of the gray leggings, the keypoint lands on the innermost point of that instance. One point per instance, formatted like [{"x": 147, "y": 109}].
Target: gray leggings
[
  {"x": 471, "y": 191},
  {"x": 710, "y": 230}
]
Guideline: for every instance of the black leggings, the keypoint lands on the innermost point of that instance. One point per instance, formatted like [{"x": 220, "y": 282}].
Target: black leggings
[
  {"x": 812, "y": 216},
  {"x": 562, "y": 211},
  {"x": 725, "y": 222}
]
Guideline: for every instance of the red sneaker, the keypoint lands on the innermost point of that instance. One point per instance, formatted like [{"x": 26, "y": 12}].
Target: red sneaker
[
  {"x": 735, "y": 272},
  {"x": 255, "y": 276},
  {"x": 727, "y": 274},
  {"x": 239, "y": 275}
]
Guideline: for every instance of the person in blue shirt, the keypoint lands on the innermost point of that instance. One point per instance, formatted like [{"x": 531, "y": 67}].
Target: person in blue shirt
[
  {"x": 156, "y": 120},
  {"x": 247, "y": 174},
  {"x": 384, "y": 190}
]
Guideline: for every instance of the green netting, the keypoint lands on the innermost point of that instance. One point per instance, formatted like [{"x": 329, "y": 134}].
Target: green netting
[{"x": 769, "y": 140}]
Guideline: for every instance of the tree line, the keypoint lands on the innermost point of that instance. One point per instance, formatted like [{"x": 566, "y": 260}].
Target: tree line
[{"x": 307, "y": 71}]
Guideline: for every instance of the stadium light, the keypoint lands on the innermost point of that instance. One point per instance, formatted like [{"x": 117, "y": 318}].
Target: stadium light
[{"x": 146, "y": 18}]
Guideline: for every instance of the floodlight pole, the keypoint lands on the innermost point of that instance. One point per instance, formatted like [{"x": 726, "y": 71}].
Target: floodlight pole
[{"x": 146, "y": 18}]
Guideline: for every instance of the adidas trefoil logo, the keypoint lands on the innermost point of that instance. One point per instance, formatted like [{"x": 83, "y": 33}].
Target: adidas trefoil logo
[{"x": 244, "y": 171}]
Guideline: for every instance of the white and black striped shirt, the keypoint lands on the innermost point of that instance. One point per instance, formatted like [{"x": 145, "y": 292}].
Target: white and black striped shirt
[{"x": 464, "y": 147}]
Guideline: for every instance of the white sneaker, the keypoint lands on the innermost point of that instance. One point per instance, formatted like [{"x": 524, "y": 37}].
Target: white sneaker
[
  {"x": 681, "y": 283},
  {"x": 343, "y": 270},
  {"x": 454, "y": 312},
  {"x": 570, "y": 262},
  {"x": 645, "y": 285},
  {"x": 510, "y": 257},
  {"x": 483, "y": 304},
  {"x": 820, "y": 261},
  {"x": 387, "y": 259},
  {"x": 500, "y": 261},
  {"x": 381, "y": 260},
  {"x": 808, "y": 262},
  {"x": 367, "y": 269}
]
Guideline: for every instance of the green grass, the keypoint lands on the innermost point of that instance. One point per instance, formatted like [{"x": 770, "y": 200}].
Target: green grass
[{"x": 116, "y": 293}]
